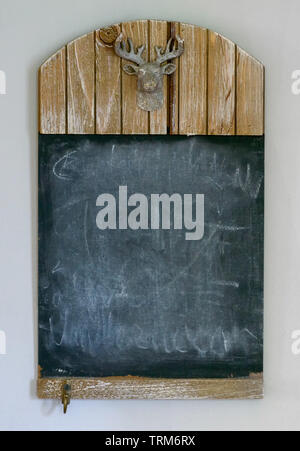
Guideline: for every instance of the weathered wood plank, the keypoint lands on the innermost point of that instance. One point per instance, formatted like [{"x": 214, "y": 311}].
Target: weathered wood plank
[
  {"x": 221, "y": 85},
  {"x": 52, "y": 94},
  {"x": 134, "y": 120},
  {"x": 81, "y": 85},
  {"x": 158, "y": 37},
  {"x": 193, "y": 81},
  {"x": 140, "y": 388},
  {"x": 174, "y": 87},
  {"x": 250, "y": 95},
  {"x": 192, "y": 66},
  {"x": 108, "y": 82}
]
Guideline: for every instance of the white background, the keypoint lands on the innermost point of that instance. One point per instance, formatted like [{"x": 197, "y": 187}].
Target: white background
[{"x": 32, "y": 30}]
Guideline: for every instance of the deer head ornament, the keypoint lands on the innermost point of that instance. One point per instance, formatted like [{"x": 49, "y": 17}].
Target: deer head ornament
[{"x": 150, "y": 96}]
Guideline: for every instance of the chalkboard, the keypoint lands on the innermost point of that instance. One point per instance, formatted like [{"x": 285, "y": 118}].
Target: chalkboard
[{"x": 151, "y": 302}]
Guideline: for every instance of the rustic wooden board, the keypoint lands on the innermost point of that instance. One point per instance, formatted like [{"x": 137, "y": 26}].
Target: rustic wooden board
[
  {"x": 158, "y": 36},
  {"x": 134, "y": 120},
  {"x": 174, "y": 87},
  {"x": 250, "y": 95},
  {"x": 108, "y": 82},
  {"x": 221, "y": 85},
  {"x": 52, "y": 94},
  {"x": 193, "y": 81},
  {"x": 140, "y": 388},
  {"x": 81, "y": 85},
  {"x": 218, "y": 88}
]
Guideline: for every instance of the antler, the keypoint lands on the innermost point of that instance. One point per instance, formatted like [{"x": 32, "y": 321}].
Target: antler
[
  {"x": 121, "y": 50},
  {"x": 170, "y": 54}
]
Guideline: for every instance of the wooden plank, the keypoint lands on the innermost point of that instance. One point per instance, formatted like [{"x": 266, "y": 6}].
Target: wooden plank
[
  {"x": 81, "y": 85},
  {"x": 108, "y": 82},
  {"x": 158, "y": 36},
  {"x": 174, "y": 87},
  {"x": 193, "y": 81},
  {"x": 192, "y": 67},
  {"x": 52, "y": 94},
  {"x": 221, "y": 85},
  {"x": 141, "y": 388},
  {"x": 250, "y": 95},
  {"x": 134, "y": 120}
]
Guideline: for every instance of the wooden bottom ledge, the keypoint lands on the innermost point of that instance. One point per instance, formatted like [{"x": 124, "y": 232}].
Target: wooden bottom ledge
[{"x": 146, "y": 388}]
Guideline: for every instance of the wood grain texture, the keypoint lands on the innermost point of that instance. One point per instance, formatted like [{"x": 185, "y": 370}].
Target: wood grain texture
[
  {"x": 193, "y": 81},
  {"x": 52, "y": 94},
  {"x": 250, "y": 95},
  {"x": 174, "y": 87},
  {"x": 108, "y": 83},
  {"x": 134, "y": 120},
  {"x": 140, "y": 388},
  {"x": 233, "y": 89},
  {"x": 158, "y": 36},
  {"x": 221, "y": 85},
  {"x": 81, "y": 85}
]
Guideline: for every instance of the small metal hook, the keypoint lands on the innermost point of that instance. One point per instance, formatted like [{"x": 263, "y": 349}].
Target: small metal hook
[{"x": 66, "y": 397}]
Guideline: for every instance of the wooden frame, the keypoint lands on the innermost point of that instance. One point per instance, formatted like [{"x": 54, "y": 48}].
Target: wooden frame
[
  {"x": 218, "y": 89},
  {"x": 143, "y": 388}
]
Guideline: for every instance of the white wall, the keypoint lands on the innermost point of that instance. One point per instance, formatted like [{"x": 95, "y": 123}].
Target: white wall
[{"x": 32, "y": 30}]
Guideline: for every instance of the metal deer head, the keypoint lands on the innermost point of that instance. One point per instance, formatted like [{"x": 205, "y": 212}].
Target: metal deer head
[{"x": 150, "y": 96}]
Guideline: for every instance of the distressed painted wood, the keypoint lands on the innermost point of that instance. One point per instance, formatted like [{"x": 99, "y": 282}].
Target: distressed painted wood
[
  {"x": 221, "y": 85},
  {"x": 134, "y": 120},
  {"x": 108, "y": 82},
  {"x": 52, "y": 94},
  {"x": 140, "y": 388},
  {"x": 193, "y": 81},
  {"x": 250, "y": 95},
  {"x": 158, "y": 36},
  {"x": 81, "y": 85}
]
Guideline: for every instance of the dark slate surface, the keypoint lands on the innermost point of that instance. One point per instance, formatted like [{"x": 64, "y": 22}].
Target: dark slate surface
[{"x": 150, "y": 303}]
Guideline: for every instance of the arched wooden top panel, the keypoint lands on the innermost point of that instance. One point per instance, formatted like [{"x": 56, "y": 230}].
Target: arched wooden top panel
[{"x": 218, "y": 89}]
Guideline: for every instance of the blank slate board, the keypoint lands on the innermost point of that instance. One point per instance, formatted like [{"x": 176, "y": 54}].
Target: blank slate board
[{"x": 150, "y": 303}]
